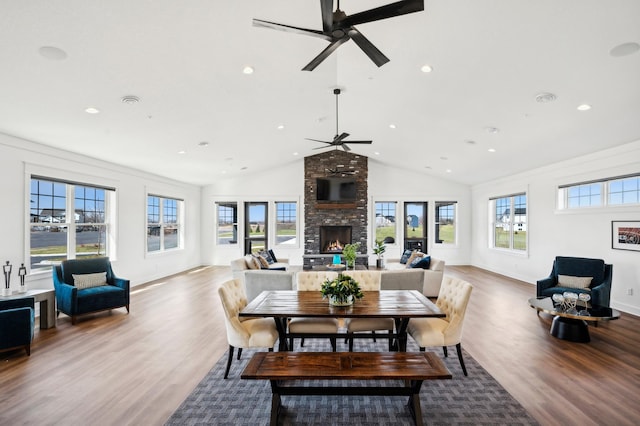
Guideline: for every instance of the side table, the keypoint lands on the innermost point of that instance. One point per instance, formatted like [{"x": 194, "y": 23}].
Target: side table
[{"x": 47, "y": 299}]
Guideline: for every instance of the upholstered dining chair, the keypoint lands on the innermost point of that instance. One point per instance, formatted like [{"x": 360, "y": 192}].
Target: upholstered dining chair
[
  {"x": 368, "y": 281},
  {"x": 243, "y": 332},
  {"x": 452, "y": 300},
  {"x": 312, "y": 281}
]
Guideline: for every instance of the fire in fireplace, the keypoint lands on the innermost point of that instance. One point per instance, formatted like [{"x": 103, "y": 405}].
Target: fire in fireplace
[{"x": 333, "y": 238}]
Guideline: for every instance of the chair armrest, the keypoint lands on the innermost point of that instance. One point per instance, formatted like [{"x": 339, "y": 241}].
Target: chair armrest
[
  {"x": 122, "y": 283},
  {"x": 66, "y": 297},
  {"x": 600, "y": 294},
  {"x": 27, "y": 302},
  {"x": 544, "y": 284}
]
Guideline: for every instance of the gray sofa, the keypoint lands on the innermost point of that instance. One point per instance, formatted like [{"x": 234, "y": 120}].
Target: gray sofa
[
  {"x": 432, "y": 277},
  {"x": 240, "y": 266}
]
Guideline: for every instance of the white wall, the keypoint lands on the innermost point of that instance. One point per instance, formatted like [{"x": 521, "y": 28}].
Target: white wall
[
  {"x": 286, "y": 184},
  {"x": 583, "y": 233},
  {"x": 19, "y": 158}
]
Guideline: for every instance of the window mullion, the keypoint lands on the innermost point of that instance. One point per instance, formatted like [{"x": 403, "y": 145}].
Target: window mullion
[{"x": 71, "y": 228}]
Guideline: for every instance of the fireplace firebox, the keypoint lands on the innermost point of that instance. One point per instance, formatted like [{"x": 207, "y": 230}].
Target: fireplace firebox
[{"x": 333, "y": 238}]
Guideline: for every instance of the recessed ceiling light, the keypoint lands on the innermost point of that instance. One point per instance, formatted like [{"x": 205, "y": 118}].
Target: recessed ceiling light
[
  {"x": 376, "y": 153},
  {"x": 448, "y": 170},
  {"x": 224, "y": 172},
  {"x": 130, "y": 99},
  {"x": 247, "y": 70},
  {"x": 203, "y": 143},
  {"x": 545, "y": 97},
  {"x": 182, "y": 152},
  {"x": 52, "y": 53},
  {"x": 92, "y": 110},
  {"x": 491, "y": 150},
  {"x": 427, "y": 167},
  {"x": 624, "y": 49},
  {"x": 392, "y": 126},
  {"x": 426, "y": 68},
  {"x": 244, "y": 168},
  {"x": 492, "y": 130},
  {"x": 584, "y": 107},
  {"x": 295, "y": 153},
  {"x": 281, "y": 126}
]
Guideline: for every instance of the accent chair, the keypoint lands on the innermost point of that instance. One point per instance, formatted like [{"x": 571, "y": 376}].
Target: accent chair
[{"x": 16, "y": 323}]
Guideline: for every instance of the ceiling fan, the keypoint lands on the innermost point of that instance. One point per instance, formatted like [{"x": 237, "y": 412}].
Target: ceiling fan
[
  {"x": 338, "y": 28},
  {"x": 338, "y": 140}
]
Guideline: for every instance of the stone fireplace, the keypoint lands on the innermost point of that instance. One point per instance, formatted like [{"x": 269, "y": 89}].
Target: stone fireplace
[
  {"x": 333, "y": 238},
  {"x": 334, "y": 215}
]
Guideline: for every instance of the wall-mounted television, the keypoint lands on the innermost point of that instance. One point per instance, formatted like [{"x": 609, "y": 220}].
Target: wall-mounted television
[{"x": 336, "y": 189}]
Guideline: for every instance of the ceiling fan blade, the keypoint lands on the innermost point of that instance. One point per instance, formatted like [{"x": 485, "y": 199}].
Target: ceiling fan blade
[
  {"x": 338, "y": 139},
  {"x": 368, "y": 48},
  {"x": 291, "y": 29},
  {"x": 361, "y": 142},
  {"x": 346, "y": 147},
  {"x": 325, "y": 53},
  {"x": 383, "y": 12},
  {"x": 318, "y": 140},
  {"x": 326, "y": 6}
]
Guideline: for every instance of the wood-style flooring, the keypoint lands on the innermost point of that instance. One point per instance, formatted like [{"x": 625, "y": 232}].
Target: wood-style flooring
[{"x": 136, "y": 369}]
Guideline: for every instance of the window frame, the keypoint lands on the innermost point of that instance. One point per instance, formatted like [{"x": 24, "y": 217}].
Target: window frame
[
  {"x": 606, "y": 192},
  {"x": 296, "y": 217},
  {"x": 512, "y": 223},
  {"x": 437, "y": 223},
  {"x": 163, "y": 225}
]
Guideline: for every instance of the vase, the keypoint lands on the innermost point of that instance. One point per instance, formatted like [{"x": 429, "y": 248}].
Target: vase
[{"x": 335, "y": 300}]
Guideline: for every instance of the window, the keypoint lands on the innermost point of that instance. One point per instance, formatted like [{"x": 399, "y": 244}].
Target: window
[
  {"x": 415, "y": 229},
  {"x": 68, "y": 220},
  {"x": 163, "y": 223},
  {"x": 615, "y": 191},
  {"x": 510, "y": 222},
  {"x": 255, "y": 229},
  {"x": 446, "y": 222},
  {"x": 227, "y": 230},
  {"x": 286, "y": 222},
  {"x": 385, "y": 222}
]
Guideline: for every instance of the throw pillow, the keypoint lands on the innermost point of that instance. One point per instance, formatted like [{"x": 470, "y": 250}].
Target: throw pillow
[
  {"x": 423, "y": 262},
  {"x": 267, "y": 256},
  {"x": 574, "y": 282},
  {"x": 273, "y": 256},
  {"x": 405, "y": 256},
  {"x": 263, "y": 261},
  {"x": 413, "y": 256},
  {"x": 252, "y": 263},
  {"x": 81, "y": 281}
]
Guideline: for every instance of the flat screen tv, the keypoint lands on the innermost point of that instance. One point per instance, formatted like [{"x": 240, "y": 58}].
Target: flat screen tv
[{"x": 336, "y": 189}]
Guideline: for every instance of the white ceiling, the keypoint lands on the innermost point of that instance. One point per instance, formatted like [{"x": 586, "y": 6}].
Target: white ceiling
[{"x": 184, "y": 60}]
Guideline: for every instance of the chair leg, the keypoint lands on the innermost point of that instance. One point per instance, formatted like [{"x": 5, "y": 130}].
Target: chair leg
[
  {"x": 333, "y": 344},
  {"x": 446, "y": 353},
  {"x": 226, "y": 373},
  {"x": 239, "y": 353},
  {"x": 28, "y": 349},
  {"x": 57, "y": 314},
  {"x": 390, "y": 341},
  {"x": 73, "y": 320},
  {"x": 127, "y": 308},
  {"x": 302, "y": 342},
  {"x": 459, "y": 349},
  {"x": 373, "y": 332},
  {"x": 421, "y": 349},
  {"x": 351, "y": 344},
  {"x": 291, "y": 343}
]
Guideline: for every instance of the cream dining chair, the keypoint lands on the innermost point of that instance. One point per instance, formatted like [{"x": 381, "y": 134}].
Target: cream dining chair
[
  {"x": 243, "y": 332},
  {"x": 452, "y": 300},
  {"x": 312, "y": 281}
]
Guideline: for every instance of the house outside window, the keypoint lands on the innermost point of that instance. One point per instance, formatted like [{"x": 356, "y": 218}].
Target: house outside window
[
  {"x": 68, "y": 220},
  {"x": 446, "y": 222},
  {"x": 286, "y": 222},
  {"x": 510, "y": 222},
  {"x": 163, "y": 223},
  {"x": 385, "y": 222}
]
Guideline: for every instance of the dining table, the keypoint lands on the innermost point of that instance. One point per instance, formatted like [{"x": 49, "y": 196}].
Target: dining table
[{"x": 401, "y": 305}]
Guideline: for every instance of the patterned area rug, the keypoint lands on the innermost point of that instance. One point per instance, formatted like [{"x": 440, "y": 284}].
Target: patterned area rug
[{"x": 473, "y": 400}]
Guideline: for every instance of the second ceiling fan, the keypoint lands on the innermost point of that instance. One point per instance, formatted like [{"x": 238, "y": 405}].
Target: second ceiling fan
[
  {"x": 338, "y": 28},
  {"x": 339, "y": 138}
]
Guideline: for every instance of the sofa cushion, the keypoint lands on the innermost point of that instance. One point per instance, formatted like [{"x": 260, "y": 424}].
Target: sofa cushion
[
  {"x": 262, "y": 260},
  {"x": 574, "y": 282},
  {"x": 414, "y": 255},
  {"x": 267, "y": 256},
  {"x": 252, "y": 262},
  {"x": 581, "y": 267},
  {"x": 97, "y": 279},
  {"x": 423, "y": 262},
  {"x": 99, "y": 298}
]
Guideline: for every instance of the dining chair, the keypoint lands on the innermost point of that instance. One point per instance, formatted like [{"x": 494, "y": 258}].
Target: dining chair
[
  {"x": 312, "y": 281},
  {"x": 243, "y": 332},
  {"x": 368, "y": 281},
  {"x": 452, "y": 300}
]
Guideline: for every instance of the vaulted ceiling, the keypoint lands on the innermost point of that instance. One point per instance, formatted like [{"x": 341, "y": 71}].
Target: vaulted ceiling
[{"x": 184, "y": 62}]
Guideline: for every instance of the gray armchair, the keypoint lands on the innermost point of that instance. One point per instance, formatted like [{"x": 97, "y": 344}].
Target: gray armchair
[{"x": 599, "y": 286}]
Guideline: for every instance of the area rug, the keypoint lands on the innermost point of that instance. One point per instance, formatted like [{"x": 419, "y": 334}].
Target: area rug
[{"x": 473, "y": 400}]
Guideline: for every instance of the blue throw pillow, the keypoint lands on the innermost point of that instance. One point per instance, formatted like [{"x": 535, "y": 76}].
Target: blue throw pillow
[
  {"x": 273, "y": 256},
  {"x": 423, "y": 262},
  {"x": 267, "y": 255},
  {"x": 405, "y": 256}
]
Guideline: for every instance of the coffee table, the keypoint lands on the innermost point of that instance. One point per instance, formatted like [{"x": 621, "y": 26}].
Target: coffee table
[{"x": 572, "y": 326}]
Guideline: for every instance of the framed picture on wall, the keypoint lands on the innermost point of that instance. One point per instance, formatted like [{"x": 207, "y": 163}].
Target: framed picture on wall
[{"x": 625, "y": 235}]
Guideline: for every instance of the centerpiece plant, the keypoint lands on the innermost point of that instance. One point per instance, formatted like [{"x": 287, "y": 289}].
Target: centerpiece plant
[{"x": 341, "y": 291}]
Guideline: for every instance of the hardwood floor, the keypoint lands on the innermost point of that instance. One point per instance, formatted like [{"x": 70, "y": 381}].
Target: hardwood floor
[{"x": 119, "y": 369}]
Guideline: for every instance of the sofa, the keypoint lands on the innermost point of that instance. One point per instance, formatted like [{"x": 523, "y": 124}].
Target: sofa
[
  {"x": 257, "y": 281},
  {"x": 432, "y": 274},
  {"x": 88, "y": 285},
  {"x": 257, "y": 263}
]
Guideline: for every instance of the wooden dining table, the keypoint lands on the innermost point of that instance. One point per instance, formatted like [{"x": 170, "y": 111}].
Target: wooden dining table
[{"x": 401, "y": 305}]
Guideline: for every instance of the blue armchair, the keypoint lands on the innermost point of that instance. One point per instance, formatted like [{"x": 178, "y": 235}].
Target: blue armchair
[
  {"x": 599, "y": 288},
  {"x": 79, "y": 295},
  {"x": 16, "y": 323}
]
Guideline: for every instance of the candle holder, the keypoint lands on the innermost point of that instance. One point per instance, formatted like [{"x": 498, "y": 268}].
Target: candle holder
[
  {"x": 6, "y": 269},
  {"x": 22, "y": 272}
]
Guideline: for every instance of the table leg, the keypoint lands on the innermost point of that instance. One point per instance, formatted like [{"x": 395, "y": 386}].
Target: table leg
[
  {"x": 414, "y": 402},
  {"x": 275, "y": 404},
  {"x": 47, "y": 310},
  {"x": 573, "y": 330},
  {"x": 281, "y": 326},
  {"x": 401, "y": 330}
]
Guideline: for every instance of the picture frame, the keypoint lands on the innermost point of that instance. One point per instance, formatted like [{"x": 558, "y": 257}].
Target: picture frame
[{"x": 625, "y": 235}]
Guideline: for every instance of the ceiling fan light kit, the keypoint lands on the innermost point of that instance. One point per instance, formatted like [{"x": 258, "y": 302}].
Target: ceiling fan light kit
[{"x": 338, "y": 28}]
